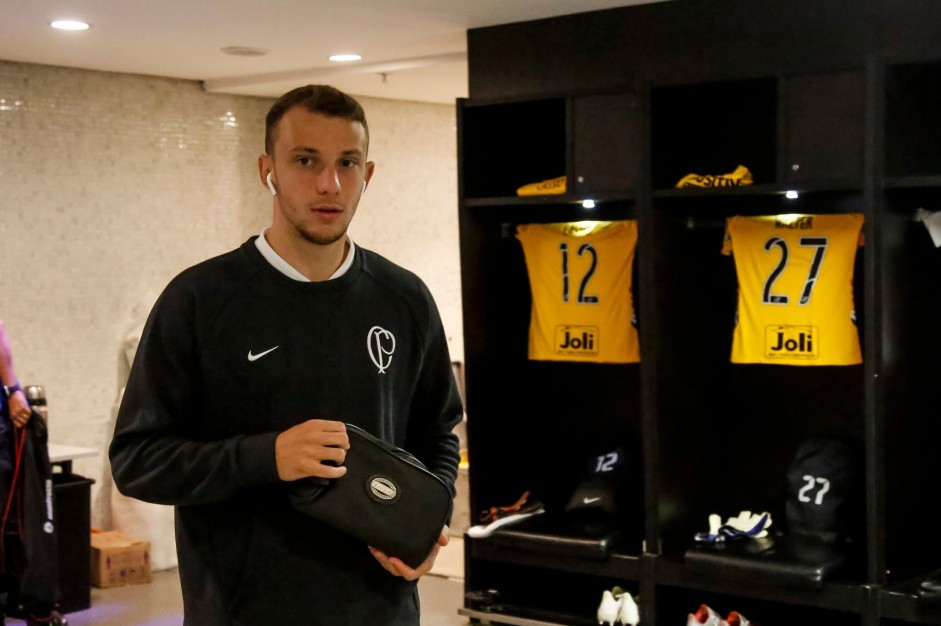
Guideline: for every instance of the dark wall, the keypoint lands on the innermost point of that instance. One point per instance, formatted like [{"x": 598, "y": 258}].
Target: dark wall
[{"x": 695, "y": 40}]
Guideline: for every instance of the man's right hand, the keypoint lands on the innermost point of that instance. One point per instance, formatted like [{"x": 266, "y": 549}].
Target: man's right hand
[{"x": 301, "y": 450}]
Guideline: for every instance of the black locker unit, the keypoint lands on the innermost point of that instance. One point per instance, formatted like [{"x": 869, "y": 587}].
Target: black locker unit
[{"x": 839, "y": 100}]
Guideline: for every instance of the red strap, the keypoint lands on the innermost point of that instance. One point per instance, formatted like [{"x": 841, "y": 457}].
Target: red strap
[{"x": 20, "y": 436}]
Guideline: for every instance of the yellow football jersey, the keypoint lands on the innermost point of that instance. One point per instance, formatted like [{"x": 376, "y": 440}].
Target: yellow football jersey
[
  {"x": 580, "y": 277},
  {"x": 795, "y": 288}
]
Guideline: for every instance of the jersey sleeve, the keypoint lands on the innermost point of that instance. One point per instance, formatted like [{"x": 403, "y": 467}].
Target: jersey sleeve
[
  {"x": 436, "y": 404},
  {"x": 157, "y": 453},
  {"x": 727, "y": 239}
]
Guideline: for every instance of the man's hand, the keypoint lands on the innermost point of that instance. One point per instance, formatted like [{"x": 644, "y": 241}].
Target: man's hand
[
  {"x": 301, "y": 450},
  {"x": 19, "y": 409},
  {"x": 397, "y": 568}
]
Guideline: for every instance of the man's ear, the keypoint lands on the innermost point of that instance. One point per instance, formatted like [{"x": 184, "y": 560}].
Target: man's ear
[{"x": 265, "y": 167}]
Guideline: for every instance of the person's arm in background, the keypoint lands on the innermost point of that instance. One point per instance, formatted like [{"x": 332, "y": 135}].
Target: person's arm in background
[{"x": 19, "y": 406}]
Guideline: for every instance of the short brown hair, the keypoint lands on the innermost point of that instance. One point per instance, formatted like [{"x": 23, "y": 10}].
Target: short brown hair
[{"x": 322, "y": 99}]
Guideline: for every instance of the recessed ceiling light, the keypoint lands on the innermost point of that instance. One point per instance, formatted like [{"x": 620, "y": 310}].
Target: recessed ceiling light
[
  {"x": 244, "y": 51},
  {"x": 69, "y": 25},
  {"x": 340, "y": 58}
]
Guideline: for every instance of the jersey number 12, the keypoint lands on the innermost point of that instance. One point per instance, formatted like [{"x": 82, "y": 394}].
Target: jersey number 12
[{"x": 583, "y": 296}]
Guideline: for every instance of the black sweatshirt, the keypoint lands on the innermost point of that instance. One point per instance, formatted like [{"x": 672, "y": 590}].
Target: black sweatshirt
[{"x": 235, "y": 352}]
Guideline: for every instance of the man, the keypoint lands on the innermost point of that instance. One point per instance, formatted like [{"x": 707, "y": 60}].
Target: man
[{"x": 247, "y": 369}]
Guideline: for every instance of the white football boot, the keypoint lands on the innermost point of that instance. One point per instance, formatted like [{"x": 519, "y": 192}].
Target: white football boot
[
  {"x": 609, "y": 609},
  {"x": 629, "y": 614}
]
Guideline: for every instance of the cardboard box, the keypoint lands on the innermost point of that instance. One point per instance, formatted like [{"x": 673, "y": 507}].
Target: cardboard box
[{"x": 118, "y": 559}]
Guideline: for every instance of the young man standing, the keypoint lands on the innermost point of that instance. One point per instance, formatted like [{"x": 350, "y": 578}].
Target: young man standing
[{"x": 248, "y": 367}]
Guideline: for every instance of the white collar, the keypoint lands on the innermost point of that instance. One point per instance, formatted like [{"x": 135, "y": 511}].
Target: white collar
[{"x": 288, "y": 270}]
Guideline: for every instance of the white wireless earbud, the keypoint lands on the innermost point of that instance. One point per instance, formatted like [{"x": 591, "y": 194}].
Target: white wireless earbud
[
  {"x": 274, "y": 191},
  {"x": 364, "y": 185}
]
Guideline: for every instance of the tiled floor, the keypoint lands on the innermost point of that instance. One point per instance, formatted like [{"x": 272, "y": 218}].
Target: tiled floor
[{"x": 160, "y": 603}]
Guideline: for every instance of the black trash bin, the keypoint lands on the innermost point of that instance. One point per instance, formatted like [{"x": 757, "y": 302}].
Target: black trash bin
[{"x": 73, "y": 508}]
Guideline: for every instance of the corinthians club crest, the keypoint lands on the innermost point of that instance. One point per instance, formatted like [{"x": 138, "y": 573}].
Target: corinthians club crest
[{"x": 381, "y": 344}]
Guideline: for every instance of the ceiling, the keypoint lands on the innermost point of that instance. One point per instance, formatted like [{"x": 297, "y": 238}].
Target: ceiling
[{"x": 411, "y": 49}]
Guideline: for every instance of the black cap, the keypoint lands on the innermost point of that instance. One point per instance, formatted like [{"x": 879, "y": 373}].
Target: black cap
[{"x": 824, "y": 484}]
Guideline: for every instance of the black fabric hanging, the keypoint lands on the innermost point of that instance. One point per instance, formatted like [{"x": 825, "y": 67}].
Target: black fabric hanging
[{"x": 30, "y": 546}]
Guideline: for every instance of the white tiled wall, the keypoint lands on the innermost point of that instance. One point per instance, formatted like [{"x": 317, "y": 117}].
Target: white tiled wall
[{"x": 110, "y": 184}]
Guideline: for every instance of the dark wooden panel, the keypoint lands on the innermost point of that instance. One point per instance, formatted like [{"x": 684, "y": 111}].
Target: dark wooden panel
[
  {"x": 607, "y": 139},
  {"x": 909, "y": 28},
  {"x": 825, "y": 127},
  {"x": 913, "y": 119},
  {"x": 671, "y": 42}
]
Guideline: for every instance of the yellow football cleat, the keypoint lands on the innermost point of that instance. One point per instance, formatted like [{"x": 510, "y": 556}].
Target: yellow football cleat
[
  {"x": 552, "y": 186},
  {"x": 738, "y": 178}
]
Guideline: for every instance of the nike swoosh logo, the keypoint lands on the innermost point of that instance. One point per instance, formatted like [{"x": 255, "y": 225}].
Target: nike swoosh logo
[
  {"x": 255, "y": 357},
  {"x": 590, "y": 500}
]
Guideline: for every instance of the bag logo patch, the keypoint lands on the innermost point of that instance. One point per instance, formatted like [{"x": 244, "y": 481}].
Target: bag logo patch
[{"x": 382, "y": 490}]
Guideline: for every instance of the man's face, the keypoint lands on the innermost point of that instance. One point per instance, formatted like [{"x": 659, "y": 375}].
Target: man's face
[{"x": 320, "y": 166}]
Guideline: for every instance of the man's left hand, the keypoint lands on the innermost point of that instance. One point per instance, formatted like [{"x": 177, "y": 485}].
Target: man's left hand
[{"x": 397, "y": 568}]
